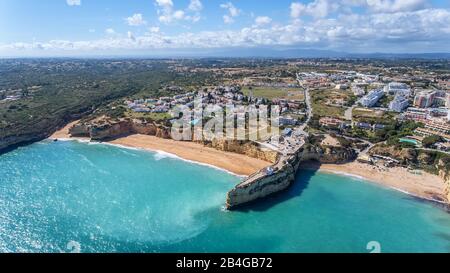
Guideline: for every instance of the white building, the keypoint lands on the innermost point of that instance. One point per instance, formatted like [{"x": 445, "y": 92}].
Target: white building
[
  {"x": 372, "y": 98},
  {"x": 399, "y": 103},
  {"x": 395, "y": 87}
]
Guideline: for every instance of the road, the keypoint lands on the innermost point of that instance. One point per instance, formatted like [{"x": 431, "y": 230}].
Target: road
[{"x": 308, "y": 106}]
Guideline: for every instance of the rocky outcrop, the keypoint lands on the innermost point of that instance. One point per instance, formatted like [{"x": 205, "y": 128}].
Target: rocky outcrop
[
  {"x": 105, "y": 129},
  {"x": 144, "y": 128},
  {"x": 262, "y": 183},
  {"x": 282, "y": 173},
  {"x": 111, "y": 130},
  {"x": 243, "y": 147},
  {"x": 80, "y": 130},
  {"x": 405, "y": 156},
  {"x": 444, "y": 173}
]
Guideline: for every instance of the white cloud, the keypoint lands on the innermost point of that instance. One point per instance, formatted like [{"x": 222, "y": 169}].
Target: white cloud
[
  {"x": 395, "y": 5},
  {"x": 136, "y": 20},
  {"x": 164, "y": 3},
  {"x": 232, "y": 12},
  {"x": 130, "y": 36},
  {"x": 297, "y": 9},
  {"x": 228, "y": 19},
  {"x": 73, "y": 2},
  {"x": 316, "y": 9},
  {"x": 178, "y": 15},
  {"x": 422, "y": 30},
  {"x": 110, "y": 31},
  {"x": 167, "y": 14},
  {"x": 195, "y": 5},
  {"x": 154, "y": 29},
  {"x": 263, "y": 20}
]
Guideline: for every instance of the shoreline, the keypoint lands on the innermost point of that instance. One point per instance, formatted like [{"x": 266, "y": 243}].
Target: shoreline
[
  {"x": 425, "y": 186},
  {"x": 233, "y": 163},
  {"x": 156, "y": 152}
]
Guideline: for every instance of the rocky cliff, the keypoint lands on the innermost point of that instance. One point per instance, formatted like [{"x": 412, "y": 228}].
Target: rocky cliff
[
  {"x": 262, "y": 184},
  {"x": 243, "y": 147},
  {"x": 282, "y": 175},
  {"x": 444, "y": 173},
  {"x": 105, "y": 129}
]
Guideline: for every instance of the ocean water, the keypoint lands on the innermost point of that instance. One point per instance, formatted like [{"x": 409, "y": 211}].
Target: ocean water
[{"x": 70, "y": 196}]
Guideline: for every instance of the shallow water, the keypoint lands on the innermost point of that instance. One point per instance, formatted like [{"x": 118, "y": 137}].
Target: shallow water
[{"x": 63, "y": 196}]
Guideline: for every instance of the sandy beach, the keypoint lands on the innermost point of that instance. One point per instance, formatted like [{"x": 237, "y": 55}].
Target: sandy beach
[
  {"x": 236, "y": 163},
  {"x": 423, "y": 185}
]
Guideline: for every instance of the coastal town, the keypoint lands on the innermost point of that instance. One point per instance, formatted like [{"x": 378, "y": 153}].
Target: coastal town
[
  {"x": 388, "y": 119},
  {"x": 369, "y": 103},
  {"x": 378, "y": 120}
]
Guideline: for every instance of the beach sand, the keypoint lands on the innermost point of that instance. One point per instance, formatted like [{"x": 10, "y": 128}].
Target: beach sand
[
  {"x": 423, "y": 185},
  {"x": 236, "y": 163}
]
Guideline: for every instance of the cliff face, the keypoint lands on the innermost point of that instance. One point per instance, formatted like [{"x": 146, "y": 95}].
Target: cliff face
[
  {"x": 11, "y": 142},
  {"x": 445, "y": 175},
  {"x": 243, "y": 147},
  {"x": 262, "y": 184},
  {"x": 111, "y": 130},
  {"x": 107, "y": 129}
]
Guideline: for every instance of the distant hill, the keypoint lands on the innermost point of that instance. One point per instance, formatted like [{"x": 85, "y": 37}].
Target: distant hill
[{"x": 298, "y": 53}]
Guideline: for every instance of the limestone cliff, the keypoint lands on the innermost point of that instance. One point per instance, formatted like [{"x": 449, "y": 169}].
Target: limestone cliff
[
  {"x": 282, "y": 175},
  {"x": 444, "y": 173},
  {"x": 261, "y": 184},
  {"x": 243, "y": 147},
  {"x": 104, "y": 129}
]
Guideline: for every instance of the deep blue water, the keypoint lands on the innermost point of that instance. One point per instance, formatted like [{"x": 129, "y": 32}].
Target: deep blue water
[{"x": 58, "y": 195}]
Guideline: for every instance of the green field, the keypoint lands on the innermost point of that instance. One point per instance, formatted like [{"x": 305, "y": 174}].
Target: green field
[
  {"x": 373, "y": 116},
  {"x": 275, "y": 93},
  {"x": 320, "y": 109}
]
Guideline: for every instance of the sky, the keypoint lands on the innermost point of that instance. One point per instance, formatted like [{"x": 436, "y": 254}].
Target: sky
[{"x": 152, "y": 27}]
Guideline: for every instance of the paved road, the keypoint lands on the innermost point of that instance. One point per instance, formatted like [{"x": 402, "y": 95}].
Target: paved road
[{"x": 308, "y": 106}]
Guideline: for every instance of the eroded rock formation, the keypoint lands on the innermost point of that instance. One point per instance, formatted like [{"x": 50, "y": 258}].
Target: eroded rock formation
[{"x": 282, "y": 174}]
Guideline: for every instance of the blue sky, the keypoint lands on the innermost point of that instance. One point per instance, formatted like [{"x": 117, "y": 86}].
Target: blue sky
[{"x": 83, "y": 27}]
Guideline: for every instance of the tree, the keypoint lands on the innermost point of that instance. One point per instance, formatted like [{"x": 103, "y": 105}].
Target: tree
[{"x": 429, "y": 141}]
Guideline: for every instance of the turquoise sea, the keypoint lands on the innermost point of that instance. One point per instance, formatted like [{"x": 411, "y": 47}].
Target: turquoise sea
[{"x": 70, "y": 196}]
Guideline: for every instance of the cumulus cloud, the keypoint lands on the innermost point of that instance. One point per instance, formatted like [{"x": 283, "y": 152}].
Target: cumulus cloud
[
  {"x": 374, "y": 31},
  {"x": 73, "y": 2},
  {"x": 323, "y": 8},
  {"x": 167, "y": 14},
  {"x": 195, "y": 5},
  {"x": 232, "y": 12},
  {"x": 316, "y": 9},
  {"x": 263, "y": 20},
  {"x": 136, "y": 20},
  {"x": 110, "y": 31},
  {"x": 395, "y": 5},
  {"x": 130, "y": 36},
  {"x": 154, "y": 29}
]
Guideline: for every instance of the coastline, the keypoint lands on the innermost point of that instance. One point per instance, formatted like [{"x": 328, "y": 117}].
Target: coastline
[
  {"x": 424, "y": 186},
  {"x": 233, "y": 163}
]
